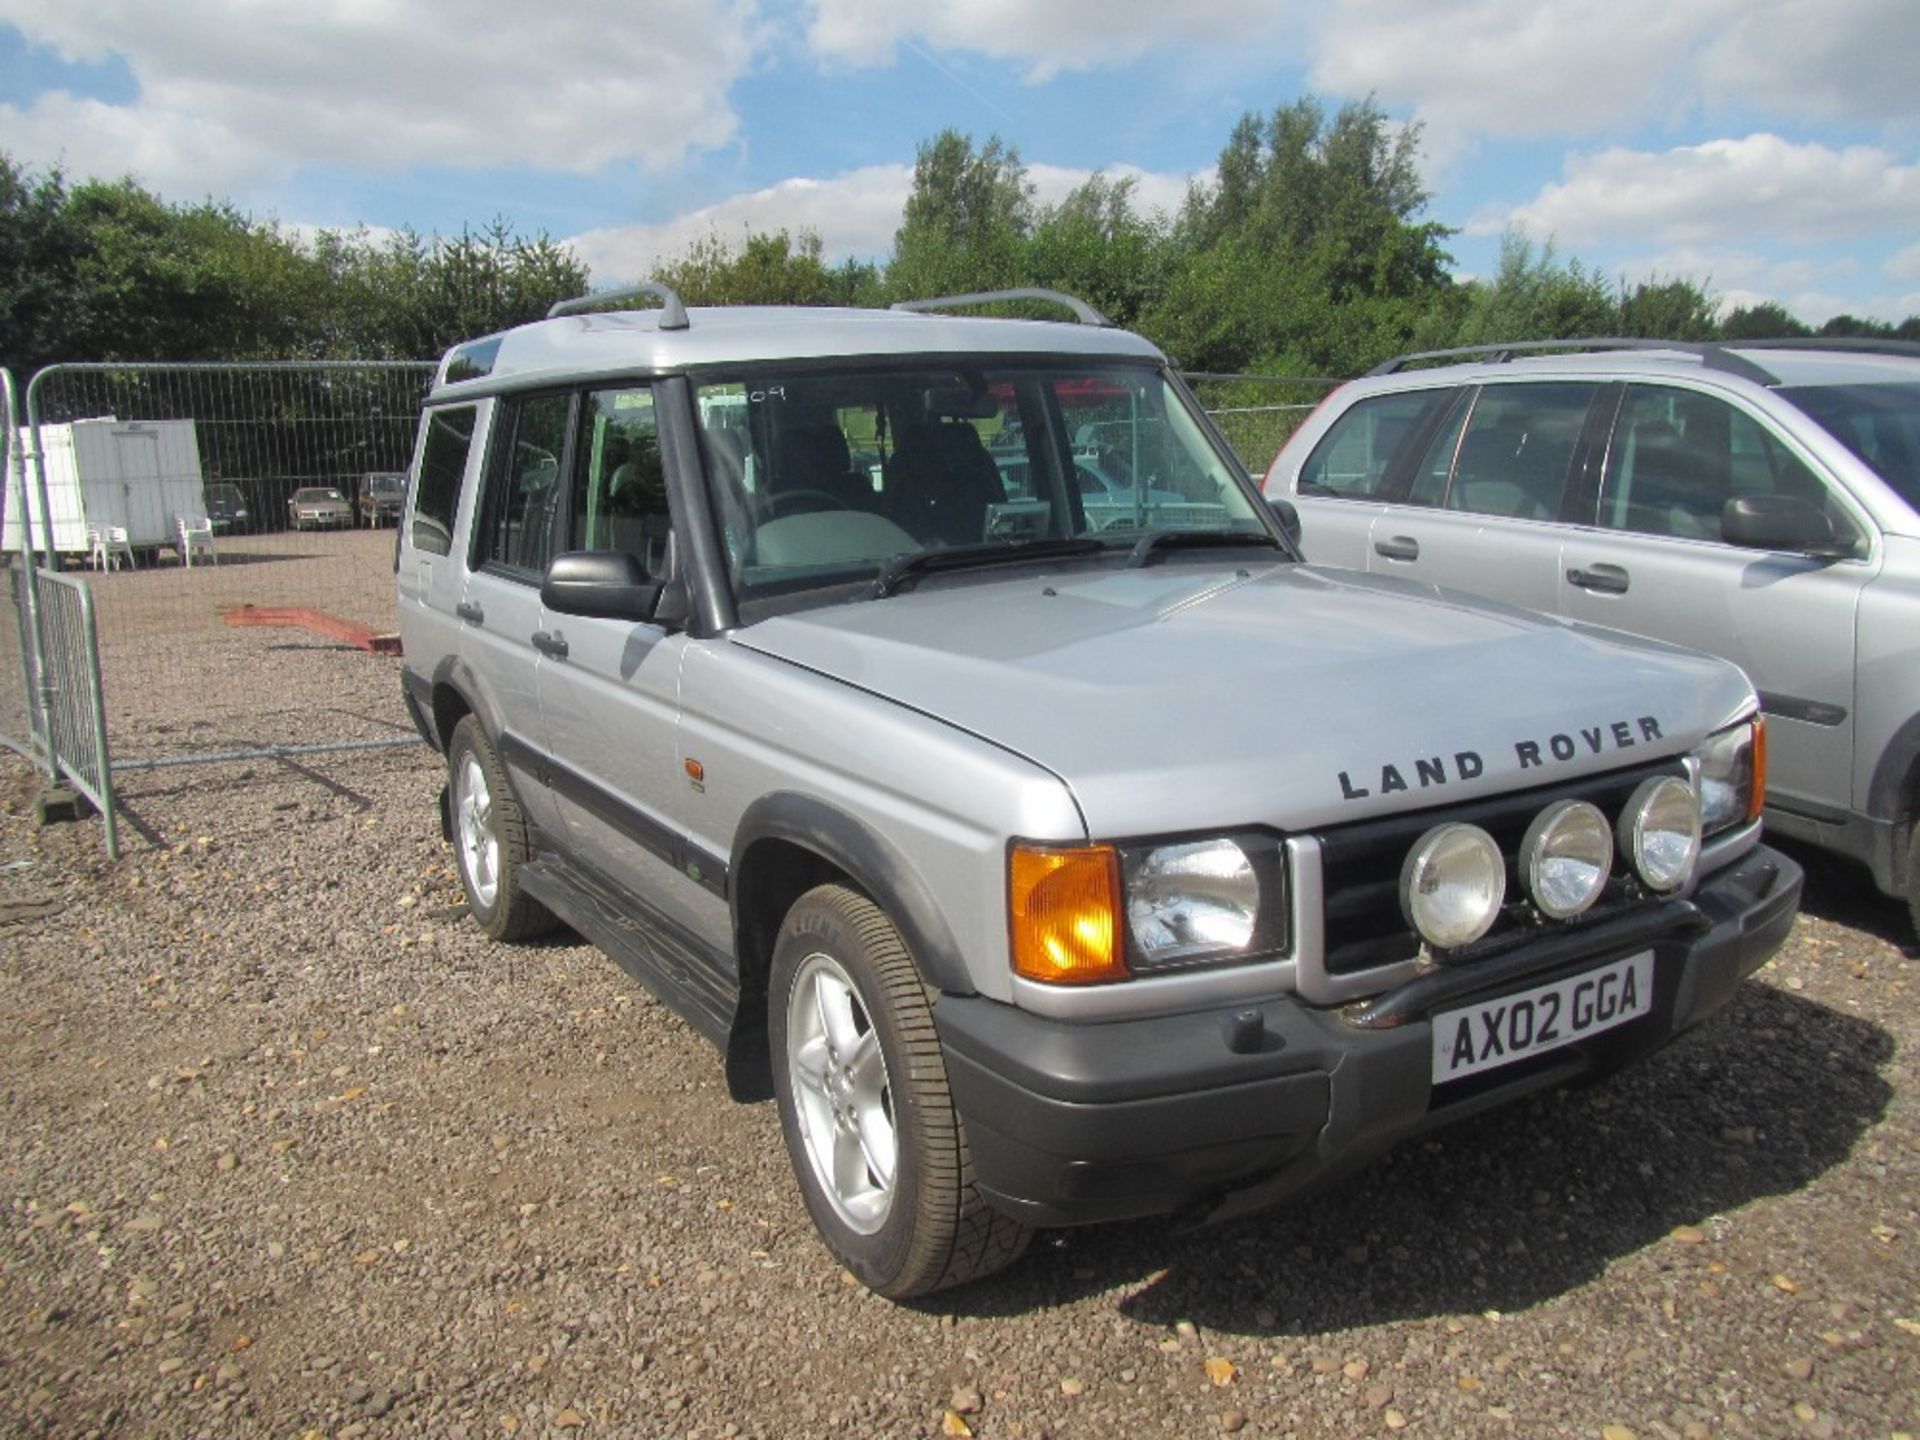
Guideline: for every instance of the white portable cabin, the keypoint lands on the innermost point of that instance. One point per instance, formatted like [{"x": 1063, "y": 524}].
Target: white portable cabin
[{"x": 136, "y": 474}]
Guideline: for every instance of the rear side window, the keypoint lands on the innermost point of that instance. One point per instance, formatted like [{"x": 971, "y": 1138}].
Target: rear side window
[
  {"x": 1354, "y": 456},
  {"x": 443, "y": 462},
  {"x": 1514, "y": 454},
  {"x": 518, "y": 527}
]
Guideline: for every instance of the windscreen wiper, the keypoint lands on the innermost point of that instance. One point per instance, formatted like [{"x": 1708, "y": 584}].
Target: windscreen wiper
[
  {"x": 1155, "y": 541},
  {"x": 904, "y": 569}
]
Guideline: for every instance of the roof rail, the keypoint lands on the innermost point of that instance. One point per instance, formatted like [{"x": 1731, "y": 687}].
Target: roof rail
[
  {"x": 1714, "y": 354},
  {"x": 1865, "y": 344},
  {"x": 673, "y": 314},
  {"x": 1501, "y": 353},
  {"x": 1082, "y": 311}
]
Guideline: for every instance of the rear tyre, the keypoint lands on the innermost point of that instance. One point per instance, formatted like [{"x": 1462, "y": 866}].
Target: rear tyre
[
  {"x": 869, "y": 1122},
  {"x": 490, "y": 840}
]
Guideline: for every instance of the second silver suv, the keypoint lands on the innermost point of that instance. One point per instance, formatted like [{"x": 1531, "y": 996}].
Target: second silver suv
[{"x": 1760, "y": 500}]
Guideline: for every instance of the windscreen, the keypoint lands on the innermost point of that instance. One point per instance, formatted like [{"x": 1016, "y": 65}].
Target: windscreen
[
  {"x": 821, "y": 479},
  {"x": 1879, "y": 423}
]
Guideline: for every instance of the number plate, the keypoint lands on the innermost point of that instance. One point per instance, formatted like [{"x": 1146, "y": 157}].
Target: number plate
[{"x": 1532, "y": 1022}]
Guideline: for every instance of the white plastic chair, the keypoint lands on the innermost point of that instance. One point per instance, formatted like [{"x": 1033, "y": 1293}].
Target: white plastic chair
[
  {"x": 196, "y": 533},
  {"x": 119, "y": 544},
  {"x": 105, "y": 547}
]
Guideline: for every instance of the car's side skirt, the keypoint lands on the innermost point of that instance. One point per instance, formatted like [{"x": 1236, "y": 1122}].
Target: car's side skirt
[{"x": 684, "y": 971}]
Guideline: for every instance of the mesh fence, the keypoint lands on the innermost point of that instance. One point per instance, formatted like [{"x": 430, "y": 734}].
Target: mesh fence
[
  {"x": 203, "y": 500},
  {"x": 1257, "y": 413}
]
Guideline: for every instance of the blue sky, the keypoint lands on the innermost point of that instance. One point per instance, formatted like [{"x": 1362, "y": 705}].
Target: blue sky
[{"x": 1768, "y": 148}]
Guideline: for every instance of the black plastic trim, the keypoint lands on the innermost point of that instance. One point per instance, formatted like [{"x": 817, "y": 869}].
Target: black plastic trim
[
  {"x": 1793, "y": 707},
  {"x": 873, "y": 863},
  {"x": 683, "y": 970},
  {"x": 417, "y": 692},
  {"x": 702, "y": 866}
]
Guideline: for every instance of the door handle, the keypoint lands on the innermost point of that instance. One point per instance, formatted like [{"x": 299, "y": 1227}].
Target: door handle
[
  {"x": 470, "y": 612},
  {"x": 554, "y": 644},
  {"x": 1400, "y": 547},
  {"x": 1601, "y": 579}
]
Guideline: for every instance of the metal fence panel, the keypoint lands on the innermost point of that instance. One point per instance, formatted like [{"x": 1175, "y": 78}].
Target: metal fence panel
[
  {"x": 223, "y": 640},
  {"x": 17, "y": 729},
  {"x": 1257, "y": 413},
  {"x": 76, "y": 714}
]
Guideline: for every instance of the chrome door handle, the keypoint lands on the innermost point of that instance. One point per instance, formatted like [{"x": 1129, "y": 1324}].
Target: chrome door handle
[
  {"x": 470, "y": 612},
  {"x": 554, "y": 644},
  {"x": 1602, "y": 579},
  {"x": 1400, "y": 547}
]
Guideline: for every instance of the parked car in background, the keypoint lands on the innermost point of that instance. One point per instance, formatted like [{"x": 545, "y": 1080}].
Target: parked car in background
[
  {"x": 1758, "y": 500},
  {"x": 318, "y": 507},
  {"x": 381, "y": 494},
  {"x": 1045, "y": 864},
  {"x": 227, "y": 507}
]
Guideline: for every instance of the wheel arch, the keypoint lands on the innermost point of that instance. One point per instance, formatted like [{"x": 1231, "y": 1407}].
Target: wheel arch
[{"x": 785, "y": 845}]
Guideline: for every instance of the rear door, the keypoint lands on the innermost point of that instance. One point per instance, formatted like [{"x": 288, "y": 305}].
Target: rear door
[
  {"x": 1651, "y": 560},
  {"x": 1483, "y": 509}
]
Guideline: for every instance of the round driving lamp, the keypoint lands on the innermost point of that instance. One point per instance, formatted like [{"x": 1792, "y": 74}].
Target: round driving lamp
[
  {"x": 1566, "y": 858},
  {"x": 1659, "y": 833},
  {"x": 1452, "y": 885}
]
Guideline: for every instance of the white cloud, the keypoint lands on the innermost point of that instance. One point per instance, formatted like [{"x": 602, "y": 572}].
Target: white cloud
[
  {"x": 1154, "y": 192},
  {"x": 1904, "y": 267},
  {"x": 233, "y": 94},
  {"x": 1759, "y": 186},
  {"x": 855, "y": 215},
  {"x": 1050, "y": 37},
  {"x": 1508, "y": 68},
  {"x": 1819, "y": 59}
]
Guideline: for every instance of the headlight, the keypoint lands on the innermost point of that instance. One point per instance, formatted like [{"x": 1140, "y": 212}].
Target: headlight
[
  {"x": 1733, "y": 776},
  {"x": 1659, "y": 832},
  {"x": 1566, "y": 858},
  {"x": 1193, "y": 900},
  {"x": 1452, "y": 885}
]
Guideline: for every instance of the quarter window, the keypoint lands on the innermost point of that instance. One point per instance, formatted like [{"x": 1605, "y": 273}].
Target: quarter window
[
  {"x": 443, "y": 464},
  {"x": 1357, "y": 452}
]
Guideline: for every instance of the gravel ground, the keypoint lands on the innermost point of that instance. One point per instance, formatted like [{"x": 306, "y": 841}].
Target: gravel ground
[{"x": 291, "y": 1151}]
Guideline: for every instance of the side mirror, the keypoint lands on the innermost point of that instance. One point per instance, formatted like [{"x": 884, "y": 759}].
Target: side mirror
[
  {"x": 1288, "y": 519},
  {"x": 600, "y": 584},
  {"x": 1782, "y": 522}
]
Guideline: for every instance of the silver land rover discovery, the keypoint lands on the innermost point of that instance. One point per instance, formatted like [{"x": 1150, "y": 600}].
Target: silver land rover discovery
[{"x": 1048, "y": 861}]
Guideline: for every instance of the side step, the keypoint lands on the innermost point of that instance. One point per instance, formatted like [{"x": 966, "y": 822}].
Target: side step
[{"x": 687, "y": 974}]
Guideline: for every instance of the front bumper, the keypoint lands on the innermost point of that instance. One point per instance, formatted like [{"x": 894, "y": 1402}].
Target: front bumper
[{"x": 1208, "y": 1114}]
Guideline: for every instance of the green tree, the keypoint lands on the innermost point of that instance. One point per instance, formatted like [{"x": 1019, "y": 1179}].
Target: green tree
[
  {"x": 1668, "y": 310},
  {"x": 1307, "y": 255},
  {"x": 766, "y": 269},
  {"x": 1533, "y": 295},
  {"x": 1096, "y": 245},
  {"x": 1765, "y": 321},
  {"x": 966, "y": 219}
]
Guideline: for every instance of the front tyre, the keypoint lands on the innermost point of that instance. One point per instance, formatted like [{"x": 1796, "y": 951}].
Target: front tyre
[
  {"x": 1912, "y": 876},
  {"x": 490, "y": 842},
  {"x": 870, "y": 1127}
]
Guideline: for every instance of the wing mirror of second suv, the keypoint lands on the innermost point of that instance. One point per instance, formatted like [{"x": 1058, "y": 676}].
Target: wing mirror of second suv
[
  {"x": 1783, "y": 522},
  {"x": 600, "y": 584}
]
